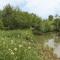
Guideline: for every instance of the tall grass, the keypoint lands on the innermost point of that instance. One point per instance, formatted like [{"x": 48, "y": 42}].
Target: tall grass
[{"x": 22, "y": 45}]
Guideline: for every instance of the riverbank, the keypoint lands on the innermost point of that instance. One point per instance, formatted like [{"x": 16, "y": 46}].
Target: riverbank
[{"x": 24, "y": 45}]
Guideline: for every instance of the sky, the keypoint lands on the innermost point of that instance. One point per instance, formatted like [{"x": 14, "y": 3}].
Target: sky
[{"x": 42, "y": 8}]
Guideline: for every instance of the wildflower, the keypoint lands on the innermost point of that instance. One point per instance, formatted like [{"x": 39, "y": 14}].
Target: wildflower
[
  {"x": 15, "y": 49},
  {"x": 20, "y": 46},
  {"x": 12, "y": 41},
  {"x": 29, "y": 47},
  {"x": 12, "y": 53},
  {"x": 10, "y": 50}
]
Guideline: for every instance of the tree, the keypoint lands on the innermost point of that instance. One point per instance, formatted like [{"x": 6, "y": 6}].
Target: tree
[
  {"x": 57, "y": 24},
  {"x": 50, "y": 17},
  {"x": 9, "y": 17}
]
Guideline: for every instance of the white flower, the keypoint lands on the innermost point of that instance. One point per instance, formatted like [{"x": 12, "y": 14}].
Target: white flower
[
  {"x": 29, "y": 47},
  {"x": 10, "y": 50},
  {"x": 12, "y": 41},
  {"x": 15, "y": 49},
  {"x": 12, "y": 53},
  {"x": 20, "y": 45}
]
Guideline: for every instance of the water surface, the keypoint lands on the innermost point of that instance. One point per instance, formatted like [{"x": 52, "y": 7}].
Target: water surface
[{"x": 54, "y": 43}]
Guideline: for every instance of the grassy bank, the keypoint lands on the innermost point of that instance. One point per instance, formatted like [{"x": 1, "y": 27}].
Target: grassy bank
[{"x": 23, "y": 45}]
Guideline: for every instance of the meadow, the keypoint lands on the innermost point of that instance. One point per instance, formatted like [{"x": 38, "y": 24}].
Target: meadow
[
  {"x": 23, "y": 45},
  {"x": 23, "y": 34}
]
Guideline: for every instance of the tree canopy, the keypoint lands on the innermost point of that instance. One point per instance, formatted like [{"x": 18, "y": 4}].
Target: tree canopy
[{"x": 13, "y": 18}]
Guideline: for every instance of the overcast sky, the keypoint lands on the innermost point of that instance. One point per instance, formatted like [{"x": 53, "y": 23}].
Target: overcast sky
[{"x": 42, "y": 8}]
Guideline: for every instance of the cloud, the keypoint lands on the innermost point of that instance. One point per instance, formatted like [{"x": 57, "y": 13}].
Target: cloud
[
  {"x": 42, "y": 8},
  {"x": 12, "y": 2}
]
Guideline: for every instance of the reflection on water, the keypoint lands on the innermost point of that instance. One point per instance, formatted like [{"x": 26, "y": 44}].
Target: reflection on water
[
  {"x": 56, "y": 47},
  {"x": 50, "y": 43},
  {"x": 57, "y": 51}
]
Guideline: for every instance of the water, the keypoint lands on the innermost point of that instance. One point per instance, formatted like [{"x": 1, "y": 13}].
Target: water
[
  {"x": 52, "y": 41},
  {"x": 56, "y": 46},
  {"x": 57, "y": 51}
]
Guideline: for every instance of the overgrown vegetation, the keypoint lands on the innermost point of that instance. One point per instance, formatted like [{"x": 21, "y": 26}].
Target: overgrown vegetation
[
  {"x": 13, "y": 18},
  {"x": 23, "y": 45},
  {"x": 17, "y": 35}
]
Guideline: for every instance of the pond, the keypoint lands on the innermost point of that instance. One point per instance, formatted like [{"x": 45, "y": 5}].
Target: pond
[{"x": 54, "y": 42}]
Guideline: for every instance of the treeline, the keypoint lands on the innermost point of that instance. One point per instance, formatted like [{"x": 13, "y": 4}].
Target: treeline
[{"x": 14, "y": 18}]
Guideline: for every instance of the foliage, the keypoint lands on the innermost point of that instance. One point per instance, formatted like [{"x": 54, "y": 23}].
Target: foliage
[
  {"x": 50, "y": 17},
  {"x": 19, "y": 41},
  {"x": 23, "y": 45},
  {"x": 14, "y": 18},
  {"x": 57, "y": 24}
]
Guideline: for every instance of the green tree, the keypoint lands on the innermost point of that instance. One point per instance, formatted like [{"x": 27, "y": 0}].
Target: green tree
[
  {"x": 50, "y": 17},
  {"x": 8, "y": 17},
  {"x": 57, "y": 24}
]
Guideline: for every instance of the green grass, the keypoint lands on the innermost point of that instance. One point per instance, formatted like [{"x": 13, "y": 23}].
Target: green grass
[{"x": 22, "y": 45}]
